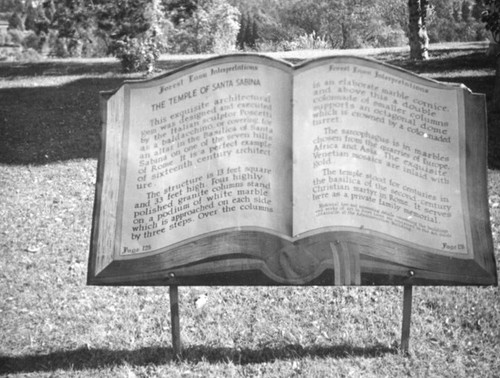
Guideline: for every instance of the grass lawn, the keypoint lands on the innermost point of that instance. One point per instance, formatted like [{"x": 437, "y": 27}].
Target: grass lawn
[{"x": 52, "y": 324}]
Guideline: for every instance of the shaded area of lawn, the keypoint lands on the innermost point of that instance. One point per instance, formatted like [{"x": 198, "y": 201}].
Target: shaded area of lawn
[
  {"x": 42, "y": 125},
  {"x": 85, "y": 359},
  {"x": 75, "y": 67},
  {"x": 443, "y": 61},
  {"x": 55, "y": 122}
]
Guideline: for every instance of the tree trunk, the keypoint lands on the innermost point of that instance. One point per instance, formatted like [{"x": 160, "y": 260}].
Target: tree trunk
[
  {"x": 494, "y": 50},
  {"x": 496, "y": 90},
  {"x": 419, "y": 41},
  {"x": 345, "y": 35}
]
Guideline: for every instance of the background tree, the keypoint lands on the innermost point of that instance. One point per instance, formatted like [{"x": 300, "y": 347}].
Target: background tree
[
  {"x": 179, "y": 10},
  {"x": 134, "y": 28},
  {"x": 225, "y": 31},
  {"x": 10, "y": 5},
  {"x": 261, "y": 24},
  {"x": 204, "y": 26},
  {"x": 131, "y": 29},
  {"x": 31, "y": 15},
  {"x": 73, "y": 20},
  {"x": 16, "y": 22},
  {"x": 349, "y": 24},
  {"x": 454, "y": 20},
  {"x": 419, "y": 40},
  {"x": 491, "y": 18},
  {"x": 248, "y": 33}
]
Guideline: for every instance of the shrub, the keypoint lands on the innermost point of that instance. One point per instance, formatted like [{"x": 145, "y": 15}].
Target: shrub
[
  {"x": 273, "y": 46},
  {"x": 225, "y": 31},
  {"x": 262, "y": 46},
  {"x": 18, "y": 55},
  {"x": 32, "y": 41},
  {"x": 98, "y": 47},
  {"x": 30, "y": 55},
  {"x": 5, "y": 39},
  {"x": 17, "y": 36},
  {"x": 137, "y": 54},
  {"x": 16, "y": 22},
  {"x": 134, "y": 28},
  {"x": 303, "y": 42},
  {"x": 311, "y": 41},
  {"x": 285, "y": 45},
  {"x": 211, "y": 28},
  {"x": 58, "y": 47},
  {"x": 390, "y": 37}
]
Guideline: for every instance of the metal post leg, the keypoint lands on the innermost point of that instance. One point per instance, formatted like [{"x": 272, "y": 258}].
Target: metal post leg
[
  {"x": 405, "y": 331},
  {"x": 174, "y": 317}
]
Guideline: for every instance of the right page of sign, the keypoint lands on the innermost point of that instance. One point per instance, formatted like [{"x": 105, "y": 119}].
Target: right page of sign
[{"x": 379, "y": 151}]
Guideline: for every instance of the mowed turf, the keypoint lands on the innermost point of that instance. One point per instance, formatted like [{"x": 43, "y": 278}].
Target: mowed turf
[{"x": 52, "y": 324}]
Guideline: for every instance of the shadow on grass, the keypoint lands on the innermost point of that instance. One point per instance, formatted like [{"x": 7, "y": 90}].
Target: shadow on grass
[
  {"x": 47, "y": 124},
  {"x": 84, "y": 359},
  {"x": 40, "y": 125},
  {"x": 442, "y": 61},
  {"x": 76, "y": 67}
]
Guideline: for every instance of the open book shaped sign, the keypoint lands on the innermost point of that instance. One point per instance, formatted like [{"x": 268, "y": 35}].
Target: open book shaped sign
[{"x": 247, "y": 170}]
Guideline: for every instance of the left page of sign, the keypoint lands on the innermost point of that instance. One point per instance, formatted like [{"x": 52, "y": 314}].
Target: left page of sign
[{"x": 207, "y": 149}]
